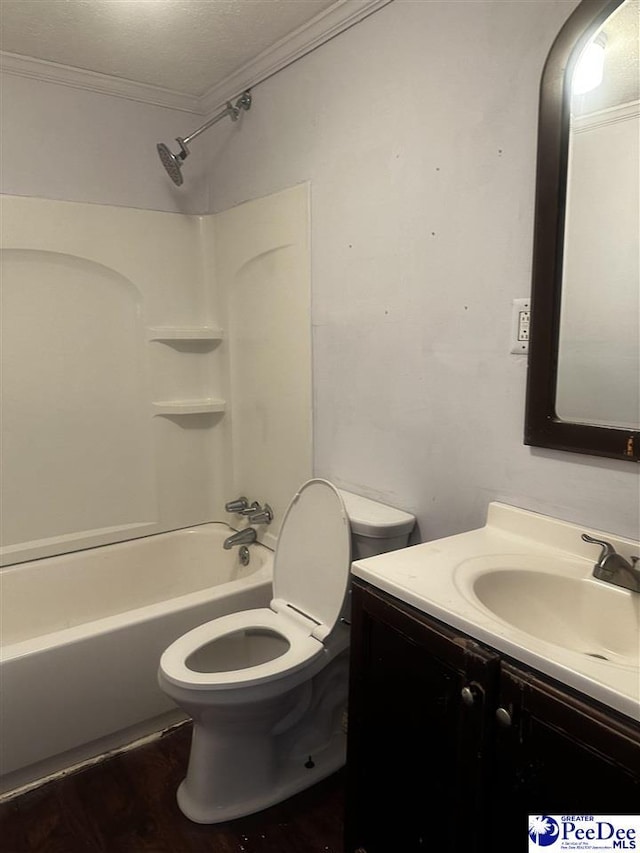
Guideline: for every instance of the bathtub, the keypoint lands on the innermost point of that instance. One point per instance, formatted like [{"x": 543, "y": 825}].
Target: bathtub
[{"x": 81, "y": 636}]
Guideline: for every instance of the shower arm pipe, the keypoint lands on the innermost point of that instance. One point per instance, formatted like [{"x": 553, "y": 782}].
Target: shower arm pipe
[
  {"x": 173, "y": 162},
  {"x": 243, "y": 103}
]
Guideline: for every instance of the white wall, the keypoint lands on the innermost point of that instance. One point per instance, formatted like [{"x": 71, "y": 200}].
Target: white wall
[
  {"x": 417, "y": 131},
  {"x": 60, "y": 142}
]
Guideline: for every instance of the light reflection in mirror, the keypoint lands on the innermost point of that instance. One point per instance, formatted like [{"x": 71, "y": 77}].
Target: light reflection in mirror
[{"x": 598, "y": 375}]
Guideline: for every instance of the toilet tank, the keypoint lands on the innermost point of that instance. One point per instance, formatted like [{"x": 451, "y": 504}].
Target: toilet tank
[{"x": 375, "y": 527}]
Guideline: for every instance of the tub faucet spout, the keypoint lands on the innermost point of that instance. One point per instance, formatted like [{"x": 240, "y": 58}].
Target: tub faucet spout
[{"x": 242, "y": 537}]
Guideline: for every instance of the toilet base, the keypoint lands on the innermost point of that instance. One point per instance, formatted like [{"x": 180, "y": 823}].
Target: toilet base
[{"x": 292, "y": 777}]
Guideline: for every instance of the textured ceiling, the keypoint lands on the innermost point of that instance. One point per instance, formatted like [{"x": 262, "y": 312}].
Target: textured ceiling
[{"x": 188, "y": 46}]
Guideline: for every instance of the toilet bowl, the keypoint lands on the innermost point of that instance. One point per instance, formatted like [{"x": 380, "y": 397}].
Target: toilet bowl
[{"x": 267, "y": 688}]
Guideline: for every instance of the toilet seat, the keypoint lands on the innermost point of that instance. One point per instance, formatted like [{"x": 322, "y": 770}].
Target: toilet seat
[
  {"x": 313, "y": 556},
  {"x": 303, "y": 648},
  {"x": 311, "y": 578}
]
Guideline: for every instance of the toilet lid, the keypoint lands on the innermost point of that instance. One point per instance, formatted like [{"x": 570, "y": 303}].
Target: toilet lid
[{"x": 313, "y": 555}]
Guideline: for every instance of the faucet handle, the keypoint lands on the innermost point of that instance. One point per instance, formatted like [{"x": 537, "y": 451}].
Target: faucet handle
[
  {"x": 250, "y": 509},
  {"x": 236, "y": 506},
  {"x": 607, "y": 548},
  {"x": 262, "y": 515}
]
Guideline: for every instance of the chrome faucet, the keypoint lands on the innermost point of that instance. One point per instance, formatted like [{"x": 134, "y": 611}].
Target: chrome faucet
[
  {"x": 613, "y": 568},
  {"x": 250, "y": 509},
  {"x": 257, "y": 514},
  {"x": 243, "y": 537},
  {"x": 261, "y": 515},
  {"x": 237, "y": 506}
]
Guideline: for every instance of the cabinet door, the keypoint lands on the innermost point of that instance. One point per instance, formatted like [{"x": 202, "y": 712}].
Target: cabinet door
[
  {"x": 557, "y": 755},
  {"x": 415, "y": 747}
]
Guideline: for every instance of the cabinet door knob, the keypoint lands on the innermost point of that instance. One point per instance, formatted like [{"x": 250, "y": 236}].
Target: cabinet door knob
[
  {"x": 503, "y": 717},
  {"x": 469, "y": 694}
]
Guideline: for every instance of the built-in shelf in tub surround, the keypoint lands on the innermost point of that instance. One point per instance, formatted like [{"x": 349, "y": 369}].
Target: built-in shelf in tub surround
[
  {"x": 168, "y": 334},
  {"x": 206, "y": 405}
]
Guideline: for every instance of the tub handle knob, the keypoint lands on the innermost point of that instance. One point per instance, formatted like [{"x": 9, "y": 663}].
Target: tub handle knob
[
  {"x": 262, "y": 515},
  {"x": 236, "y": 506}
]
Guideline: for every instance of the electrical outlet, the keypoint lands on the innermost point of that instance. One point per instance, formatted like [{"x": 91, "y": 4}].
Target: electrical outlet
[
  {"x": 520, "y": 322},
  {"x": 524, "y": 318}
]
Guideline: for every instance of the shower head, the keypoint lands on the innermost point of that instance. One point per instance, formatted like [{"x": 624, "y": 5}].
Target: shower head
[{"x": 173, "y": 162}]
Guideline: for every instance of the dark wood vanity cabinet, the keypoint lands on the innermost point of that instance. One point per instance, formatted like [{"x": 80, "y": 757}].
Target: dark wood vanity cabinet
[
  {"x": 560, "y": 754},
  {"x": 416, "y": 751},
  {"x": 451, "y": 746}
]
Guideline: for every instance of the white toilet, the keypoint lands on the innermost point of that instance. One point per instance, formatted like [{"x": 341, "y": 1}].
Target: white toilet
[{"x": 267, "y": 688}]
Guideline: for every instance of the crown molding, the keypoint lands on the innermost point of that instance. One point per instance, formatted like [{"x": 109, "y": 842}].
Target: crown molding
[
  {"x": 319, "y": 30},
  {"x": 602, "y": 118},
  {"x": 325, "y": 26},
  {"x": 93, "y": 81}
]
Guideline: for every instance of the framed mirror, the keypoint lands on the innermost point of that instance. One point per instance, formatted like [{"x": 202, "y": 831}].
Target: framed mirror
[{"x": 583, "y": 389}]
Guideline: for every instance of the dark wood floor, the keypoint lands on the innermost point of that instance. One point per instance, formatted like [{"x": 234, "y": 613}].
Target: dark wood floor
[{"x": 127, "y": 804}]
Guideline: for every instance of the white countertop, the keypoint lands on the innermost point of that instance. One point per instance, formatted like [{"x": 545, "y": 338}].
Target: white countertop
[{"x": 437, "y": 578}]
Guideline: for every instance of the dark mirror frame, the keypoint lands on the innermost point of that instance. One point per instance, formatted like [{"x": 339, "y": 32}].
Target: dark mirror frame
[{"x": 542, "y": 426}]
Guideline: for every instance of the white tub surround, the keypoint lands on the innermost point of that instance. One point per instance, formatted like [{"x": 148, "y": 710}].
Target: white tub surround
[
  {"x": 153, "y": 365},
  {"x": 85, "y": 459},
  {"x": 582, "y": 631},
  {"x": 263, "y": 292},
  {"x": 82, "y": 635}
]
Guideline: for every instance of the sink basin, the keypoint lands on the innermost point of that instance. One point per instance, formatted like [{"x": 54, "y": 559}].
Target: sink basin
[
  {"x": 588, "y": 616},
  {"x": 523, "y": 585}
]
